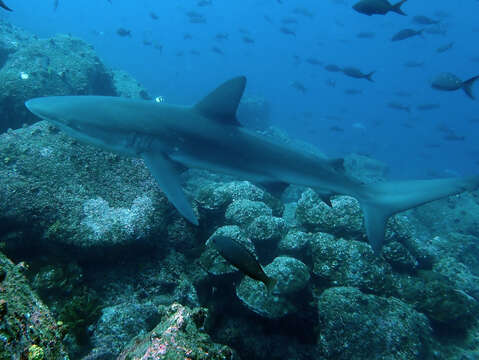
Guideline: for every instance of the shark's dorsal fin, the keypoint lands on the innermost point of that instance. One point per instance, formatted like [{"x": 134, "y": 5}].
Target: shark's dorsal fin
[{"x": 221, "y": 103}]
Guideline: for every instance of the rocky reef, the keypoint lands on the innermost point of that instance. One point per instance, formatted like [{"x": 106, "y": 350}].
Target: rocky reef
[{"x": 103, "y": 267}]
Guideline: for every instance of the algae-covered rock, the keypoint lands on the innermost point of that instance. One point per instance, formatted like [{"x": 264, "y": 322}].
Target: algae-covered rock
[
  {"x": 118, "y": 324},
  {"x": 27, "y": 328},
  {"x": 292, "y": 276},
  {"x": 266, "y": 230},
  {"x": 74, "y": 195},
  {"x": 242, "y": 212},
  {"x": 32, "y": 67},
  {"x": 436, "y": 296},
  {"x": 399, "y": 257},
  {"x": 178, "y": 336},
  {"x": 358, "y": 326},
  {"x": 216, "y": 196},
  {"x": 344, "y": 219},
  {"x": 295, "y": 243},
  {"x": 342, "y": 262}
]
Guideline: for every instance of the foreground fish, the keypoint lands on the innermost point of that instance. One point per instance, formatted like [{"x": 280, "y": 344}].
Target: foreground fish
[
  {"x": 450, "y": 82},
  {"x": 378, "y": 7},
  {"x": 207, "y": 135},
  {"x": 240, "y": 257},
  {"x": 3, "y": 5}
]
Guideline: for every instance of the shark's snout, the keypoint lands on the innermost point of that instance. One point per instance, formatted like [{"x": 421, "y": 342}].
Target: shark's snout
[{"x": 37, "y": 107}]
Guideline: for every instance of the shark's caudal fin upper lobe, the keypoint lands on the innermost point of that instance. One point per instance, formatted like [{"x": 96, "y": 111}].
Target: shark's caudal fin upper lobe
[{"x": 382, "y": 200}]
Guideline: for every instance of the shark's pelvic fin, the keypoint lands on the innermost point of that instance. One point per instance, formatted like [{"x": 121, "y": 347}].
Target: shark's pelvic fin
[
  {"x": 380, "y": 201},
  {"x": 221, "y": 103},
  {"x": 164, "y": 171}
]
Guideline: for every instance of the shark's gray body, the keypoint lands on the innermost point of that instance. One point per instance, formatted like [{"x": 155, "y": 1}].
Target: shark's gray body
[{"x": 207, "y": 135}]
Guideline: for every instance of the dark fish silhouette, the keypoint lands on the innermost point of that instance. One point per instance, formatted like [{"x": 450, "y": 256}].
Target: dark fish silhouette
[
  {"x": 378, "y": 7},
  {"x": 217, "y": 50},
  {"x": 299, "y": 86},
  {"x": 406, "y": 34},
  {"x": 242, "y": 258},
  {"x": 450, "y": 82},
  {"x": 314, "y": 61},
  {"x": 332, "y": 68},
  {"x": 398, "y": 106},
  {"x": 2, "y": 4},
  {"x": 153, "y": 15},
  {"x": 365, "y": 35},
  {"x": 424, "y": 20},
  {"x": 357, "y": 74},
  {"x": 123, "y": 32},
  {"x": 425, "y": 107},
  {"x": 248, "y": 40},
  {"x": 445, "y": 47},
  {"x": 287, "y": 31}
]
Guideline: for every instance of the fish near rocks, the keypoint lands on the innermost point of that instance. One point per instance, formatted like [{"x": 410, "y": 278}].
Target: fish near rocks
[
  {"x": 378, "y": 7},
  {"x": 450, "y": 82},
  {"x": 239, "y": 256}
]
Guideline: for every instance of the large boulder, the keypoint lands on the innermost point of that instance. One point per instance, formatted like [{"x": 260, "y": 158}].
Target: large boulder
[
  {"x": 340, "y": 262},
  {"x": 354, "y": 325},
  {"x": 77, "y": 196}
]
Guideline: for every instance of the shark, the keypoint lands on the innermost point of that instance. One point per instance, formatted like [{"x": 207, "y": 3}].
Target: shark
[{"x": 207, "y": 135}]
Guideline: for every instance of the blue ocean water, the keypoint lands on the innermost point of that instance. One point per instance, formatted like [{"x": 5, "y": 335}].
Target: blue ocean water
[{"x": 412, "y": 143}]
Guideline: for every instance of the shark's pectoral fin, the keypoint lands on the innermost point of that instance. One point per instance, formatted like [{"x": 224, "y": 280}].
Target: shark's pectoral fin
[
  {"x": 221, "y": 104},
  {"x": 164, "y": 171}
]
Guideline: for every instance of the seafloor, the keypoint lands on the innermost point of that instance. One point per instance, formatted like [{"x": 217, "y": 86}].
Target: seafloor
[{"x": 95, "y": 263}]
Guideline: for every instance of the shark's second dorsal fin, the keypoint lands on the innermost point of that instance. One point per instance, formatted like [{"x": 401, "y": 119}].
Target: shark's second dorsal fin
[{"x": 221, "y": 103}]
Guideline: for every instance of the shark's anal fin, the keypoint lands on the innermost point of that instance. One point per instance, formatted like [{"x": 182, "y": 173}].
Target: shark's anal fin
[
  {"x": 164, "y": 171},
  {"x": 221, "y": 104}
]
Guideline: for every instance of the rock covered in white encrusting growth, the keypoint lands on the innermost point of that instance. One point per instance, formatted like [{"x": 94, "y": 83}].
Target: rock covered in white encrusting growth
[
  {"x": 296, "y": 243},
  {"x": 349, "y": 263},
  {"x": 358, "y": 326},
  {"x": 292, "y": 275},
  {"x": 212, "y": 260},
  {"x": 266, "y": 230},
  {"x": 242, "y": 212},
  {"x": 344, "y": 219},
  {"x": 215, "y": 196}
]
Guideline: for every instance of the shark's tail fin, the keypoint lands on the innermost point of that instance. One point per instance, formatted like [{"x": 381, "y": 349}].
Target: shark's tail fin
[
  {"x": 467, "y": 86},
  {"x": 381, "y": 200},
  {"x": 397, "y": 8}
]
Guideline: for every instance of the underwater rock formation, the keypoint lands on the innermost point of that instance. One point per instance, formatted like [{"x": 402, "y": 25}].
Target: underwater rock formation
[
  {"x": 179, "y": 335},
  {"x": 354, "y": 325},
  {"x": 62, "y": 65},
  {"x": 26, "y": 324},
  {"x": 71, "y": 195},
  {"x": 340, "y": 262}
]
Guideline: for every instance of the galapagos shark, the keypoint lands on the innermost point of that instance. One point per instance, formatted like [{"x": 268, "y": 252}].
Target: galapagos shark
[{"x": 208, "y": 135}]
